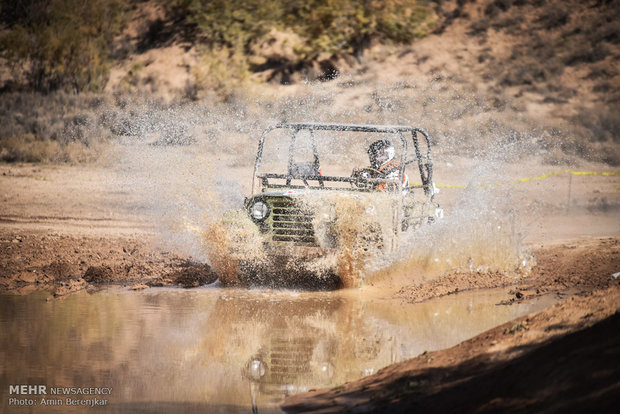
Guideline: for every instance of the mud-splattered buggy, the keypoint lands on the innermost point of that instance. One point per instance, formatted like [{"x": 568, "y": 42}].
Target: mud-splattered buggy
[{"x": 316, "y": 220}]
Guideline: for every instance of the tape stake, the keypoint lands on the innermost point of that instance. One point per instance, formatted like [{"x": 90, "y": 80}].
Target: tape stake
[{"x": 570, "y": 185}]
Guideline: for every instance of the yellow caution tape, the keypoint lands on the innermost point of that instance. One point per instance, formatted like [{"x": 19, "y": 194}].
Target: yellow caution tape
[
  {"x": 539, "y": 177},
  {"x": 450, "y": 186}
]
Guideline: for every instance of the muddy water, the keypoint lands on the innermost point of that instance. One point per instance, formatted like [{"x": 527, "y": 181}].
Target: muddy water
[{"x": 212, "y": 350}]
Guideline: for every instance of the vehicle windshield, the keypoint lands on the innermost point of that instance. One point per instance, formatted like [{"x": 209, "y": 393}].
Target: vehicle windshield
[{"x": 292, "y": 157}]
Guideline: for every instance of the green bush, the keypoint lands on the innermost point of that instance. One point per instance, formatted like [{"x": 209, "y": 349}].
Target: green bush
[
  {"x": 335, "y": 27},
  {"x": 327, "y": 27},
  {"x": 66, "y": 44},
  {"x": 60, "y": 44}
]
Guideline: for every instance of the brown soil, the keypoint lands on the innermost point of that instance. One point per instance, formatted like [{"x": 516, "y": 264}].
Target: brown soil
[
  {"x": 581, "y": 266},
  {"x": 65, "y": 229},
  {"x": 62, "y": 263}
]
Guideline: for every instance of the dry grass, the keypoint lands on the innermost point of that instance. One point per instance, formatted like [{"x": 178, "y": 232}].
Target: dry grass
[
  {"x": 57, "y": 127},
  {"x": 28, "y": 149}
]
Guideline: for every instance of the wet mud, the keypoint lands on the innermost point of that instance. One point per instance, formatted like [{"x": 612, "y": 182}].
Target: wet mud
[{"x": 63, "y": 264}]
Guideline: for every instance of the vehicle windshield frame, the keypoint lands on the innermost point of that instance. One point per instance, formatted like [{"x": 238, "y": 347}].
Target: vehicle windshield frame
[{"x": 424, "y": 162}]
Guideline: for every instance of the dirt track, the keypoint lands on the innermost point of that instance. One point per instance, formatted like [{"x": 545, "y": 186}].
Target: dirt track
[{"x": 65, "y": 229}]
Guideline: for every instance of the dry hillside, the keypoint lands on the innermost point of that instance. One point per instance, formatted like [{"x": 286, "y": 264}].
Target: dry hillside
[
  {"x": 498, "y": 67},
  {"x": 542, "y": 74}
]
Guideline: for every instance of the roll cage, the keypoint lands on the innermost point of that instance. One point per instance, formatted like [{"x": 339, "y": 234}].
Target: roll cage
[{"x": 309, "y": 173}]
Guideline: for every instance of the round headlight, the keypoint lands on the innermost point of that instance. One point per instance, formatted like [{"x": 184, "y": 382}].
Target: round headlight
[
  {"x": 259, "y": 210},
  {"x": 256, "y": 369}
]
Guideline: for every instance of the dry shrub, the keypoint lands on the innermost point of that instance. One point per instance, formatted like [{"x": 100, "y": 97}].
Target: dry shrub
[
  {"x": 77, "y": 152},
  {"x": 591, "y": 134},
  {"x": 479, "y": 27},
  {"x": 497, "y": 6},
  {"x": 592, "y": 54},
  {"x": 602, "y": 122},
  {"x": 223, "y": 70},
  {"x": 26, "y": 148},
  {"x": 553, "y": 17},
  {"x": 608, "y": 32},
  {"x": 510, "y": 24},
  {"x": 58, "y": 127}
]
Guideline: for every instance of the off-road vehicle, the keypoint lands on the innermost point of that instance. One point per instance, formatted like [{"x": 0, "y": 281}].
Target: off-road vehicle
[{"x": 320, "y": 211}]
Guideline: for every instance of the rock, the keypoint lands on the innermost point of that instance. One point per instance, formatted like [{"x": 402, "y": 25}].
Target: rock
[
  {"x": 99, "y": 274},
  {"x": 28, "y": 277},
  {"x": 139, "y": 286},
  {"x": 69, "y": 287},
  {"x": 60, "y": 270}
]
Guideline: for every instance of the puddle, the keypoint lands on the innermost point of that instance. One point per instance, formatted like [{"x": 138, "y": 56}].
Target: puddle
[{"x": 214, "y": 350}]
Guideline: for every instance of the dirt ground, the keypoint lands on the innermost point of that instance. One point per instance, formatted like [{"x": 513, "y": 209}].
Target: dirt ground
[
  {"x": 57, "y": 236},
  {"x": 67, "y": 228}
]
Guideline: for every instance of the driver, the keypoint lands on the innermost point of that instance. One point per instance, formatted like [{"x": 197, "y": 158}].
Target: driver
[{"x": 382, "y": 164}]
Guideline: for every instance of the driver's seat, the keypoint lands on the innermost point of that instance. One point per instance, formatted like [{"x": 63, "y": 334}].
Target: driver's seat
[{"x": 304, "y": 170}]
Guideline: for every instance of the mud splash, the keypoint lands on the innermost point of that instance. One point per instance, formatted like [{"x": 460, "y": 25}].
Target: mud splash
[
  {"x": 230, "y": 241},
  {"x": 352, "y": 231},
  {"x": 482, "y": 233},
  {"x": 357, "y": 227},
  {"x": 193, "y": 190},
  {"x": 474, "y": 238},
  {"x": 203, "y": 216}
]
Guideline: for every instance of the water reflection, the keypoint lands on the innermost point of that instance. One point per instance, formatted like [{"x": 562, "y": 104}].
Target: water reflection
[{"x": 163, "y": 350}]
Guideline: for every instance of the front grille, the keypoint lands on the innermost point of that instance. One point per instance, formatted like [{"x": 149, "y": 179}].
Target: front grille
[
  {"x": 292, "y": 223},
  {"x": 289, "y": 361}
]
